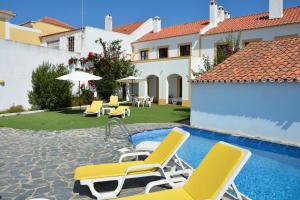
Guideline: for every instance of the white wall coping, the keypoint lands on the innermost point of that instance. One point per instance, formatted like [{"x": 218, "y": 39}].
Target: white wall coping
[
  {"x": 26, "y": 44},
  {"x": 25, "y": 28},
  {"x": 22, "y": 113},
  {"x": 50, "y": 37}
]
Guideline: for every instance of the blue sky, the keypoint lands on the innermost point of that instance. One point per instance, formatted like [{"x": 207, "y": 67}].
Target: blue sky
[{"x": 171, "y": 11}]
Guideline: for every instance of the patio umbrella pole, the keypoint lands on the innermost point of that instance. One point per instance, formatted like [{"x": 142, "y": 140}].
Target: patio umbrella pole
[
  {"x": 79, "y": 96},
  {"x": 132, "y": 90}
]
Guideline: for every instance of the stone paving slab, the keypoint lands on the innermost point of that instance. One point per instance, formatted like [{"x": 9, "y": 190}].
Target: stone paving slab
[{"x": 41, "y": 163}]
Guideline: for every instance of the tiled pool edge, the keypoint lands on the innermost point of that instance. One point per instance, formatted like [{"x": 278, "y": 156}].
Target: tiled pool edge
[
  {"x": 260, "y": 143},
  {"x": 245, "y": 135}
]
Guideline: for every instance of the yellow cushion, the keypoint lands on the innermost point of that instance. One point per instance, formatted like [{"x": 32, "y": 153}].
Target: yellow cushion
[
  {"x": 162, "y": 195},
  {"x": 214, "y": 171},
  {"x": 166, "y": 148},
  {"x": 159, "y": 155},
  {"x": 95, "y": 107},
  {"x": 120, "y": 110},
  {"x": 114, "y": 100},
  {"x": 108, "y": 170}
]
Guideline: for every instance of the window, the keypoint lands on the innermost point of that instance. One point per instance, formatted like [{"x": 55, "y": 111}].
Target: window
[
  {"x": 185, "y": 50},
  {"x": 163, "y": 52},
  {"x": 53, "y": 44},
  {"x": 144, "y": 54},
  {"x": 222, "y": 52},
  {"x": 71, "y": 41}
]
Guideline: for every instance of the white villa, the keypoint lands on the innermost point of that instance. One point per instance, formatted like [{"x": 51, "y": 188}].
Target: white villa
[{"x": 166, "y": 56}]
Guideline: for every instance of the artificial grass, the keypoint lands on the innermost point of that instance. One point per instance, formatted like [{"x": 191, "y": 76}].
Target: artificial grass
[{"x": 73, "y": 119}]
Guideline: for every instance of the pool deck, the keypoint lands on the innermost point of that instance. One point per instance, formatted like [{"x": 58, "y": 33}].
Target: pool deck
[{"x": 41, "y": 163}]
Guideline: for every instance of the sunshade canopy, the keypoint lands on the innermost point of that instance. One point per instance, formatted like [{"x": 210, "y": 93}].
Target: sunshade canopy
[
  {"x": 131, "y": 79},
  {"x": 79, "y": 76}
]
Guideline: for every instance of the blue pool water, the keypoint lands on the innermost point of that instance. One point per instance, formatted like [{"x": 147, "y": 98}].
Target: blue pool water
[{"x": 272, "y": 172}]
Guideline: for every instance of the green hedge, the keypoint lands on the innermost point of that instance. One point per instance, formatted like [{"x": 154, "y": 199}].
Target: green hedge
[{"x": 48, "y": 92}]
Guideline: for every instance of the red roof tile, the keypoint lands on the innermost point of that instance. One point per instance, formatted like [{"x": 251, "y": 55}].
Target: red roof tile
[
  {"x": 128, "y": 28},
  {"x": 55, "y": 22},
  {"x": 258, "y": 20},
  {"x": 176, "y": 30},
  {"x": 264, "y": 61},
  {"x": 7, "y": 12}
]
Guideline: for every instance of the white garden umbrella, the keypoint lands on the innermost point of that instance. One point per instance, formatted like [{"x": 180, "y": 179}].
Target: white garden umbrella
[
  {"x": 79, "y": 76},
  {"x": 131, "y": 79}
]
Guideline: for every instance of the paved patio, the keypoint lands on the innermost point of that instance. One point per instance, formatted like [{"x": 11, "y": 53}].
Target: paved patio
[{"x": 41, "y": 163}]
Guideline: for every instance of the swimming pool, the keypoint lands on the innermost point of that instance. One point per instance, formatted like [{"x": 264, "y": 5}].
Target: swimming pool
[{"x": 272, "y": 172}]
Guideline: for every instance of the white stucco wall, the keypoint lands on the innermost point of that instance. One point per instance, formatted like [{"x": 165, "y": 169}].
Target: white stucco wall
[
  {"x": 145, "y": 28},
  {"x": 268, "y": 33},
  {"x": 85, "y": 39},
  {"x": 163, "y": 69},
  {"x": 172, "y": 43},
  {"x": 17, "y": 61},
  {"x": 93, "y": 34},
  {"x": 265, "y": 110}
]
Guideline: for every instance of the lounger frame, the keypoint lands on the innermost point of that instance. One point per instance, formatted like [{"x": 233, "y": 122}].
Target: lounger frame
[
  {"x": 229, "y": 185},
  {"x": 121, "y": 179}
]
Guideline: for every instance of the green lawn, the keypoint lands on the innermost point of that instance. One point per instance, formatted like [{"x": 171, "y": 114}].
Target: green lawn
[{"x": 74, "y": 119}]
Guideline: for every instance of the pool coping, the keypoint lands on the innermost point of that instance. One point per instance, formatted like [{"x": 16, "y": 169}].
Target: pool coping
[{"x": 246, "y": 136}]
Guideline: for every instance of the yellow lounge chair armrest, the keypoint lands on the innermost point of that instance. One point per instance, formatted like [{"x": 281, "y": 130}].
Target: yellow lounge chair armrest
[
  {"x": 170, "y": 181},
  {"x": 133, "y": 154},
  {"x": 143, "y": 166}
]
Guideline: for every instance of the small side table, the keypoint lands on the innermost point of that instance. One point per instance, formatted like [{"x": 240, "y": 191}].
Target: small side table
[{"x": 106, "y": 110}]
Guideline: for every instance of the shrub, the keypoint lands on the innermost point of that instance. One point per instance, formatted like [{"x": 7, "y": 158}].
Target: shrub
[
  {"x": 48, "y": 92},
  {"x": 13, "y": 109}
]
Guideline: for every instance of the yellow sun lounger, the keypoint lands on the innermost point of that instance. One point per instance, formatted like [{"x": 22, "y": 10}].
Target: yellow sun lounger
[
  {"x": 210, "y": 181},
  {"x": 94, "y": 108},
  {"x": 113, "y": 101},
  {"x": 120, "y": 111},
  {"x": 154, "y": 165}
]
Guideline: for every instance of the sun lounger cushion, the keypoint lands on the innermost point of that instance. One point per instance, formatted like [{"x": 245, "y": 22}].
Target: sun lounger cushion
[
  {"x": 114, "y": 101},
  {"x": 166, "y": 148},
  {"x": 107, "y": 170},
  {"x": 214, "y": 171},
  {"x": 120, "y": 110},
  {"x": 163, "y": 152},
  {"x": 94, "y": 108}
]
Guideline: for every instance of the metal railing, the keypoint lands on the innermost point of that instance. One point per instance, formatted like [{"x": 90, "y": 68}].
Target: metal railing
[{"x": 115, "y": 121}]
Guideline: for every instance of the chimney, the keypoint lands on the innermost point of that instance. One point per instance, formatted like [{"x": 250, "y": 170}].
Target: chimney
[
  {"x": 213, "y": 13},
  {"x": 221, "y": 14},
  {"x": 156, "y": 24},
  {"x": 227, "y": 15},
  {"x": 275, "y": 9},
  {"x": 108, "y": 22}
]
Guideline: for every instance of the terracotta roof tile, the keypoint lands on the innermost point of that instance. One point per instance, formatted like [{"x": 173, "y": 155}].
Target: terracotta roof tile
[
  {"x": 176, "y": 30},
  {"x": 55, "y": 22},
  {"x": 128, "y": 28},
  {"x": 264, "y": 61},
  {"x": 7, "y": 12},
  {"x": 258, "y": 20}
]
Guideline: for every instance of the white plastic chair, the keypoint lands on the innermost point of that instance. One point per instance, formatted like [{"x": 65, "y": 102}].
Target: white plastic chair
[
  {"x": 149, "y": 101},
  {"x": 136, "y": 102}
]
